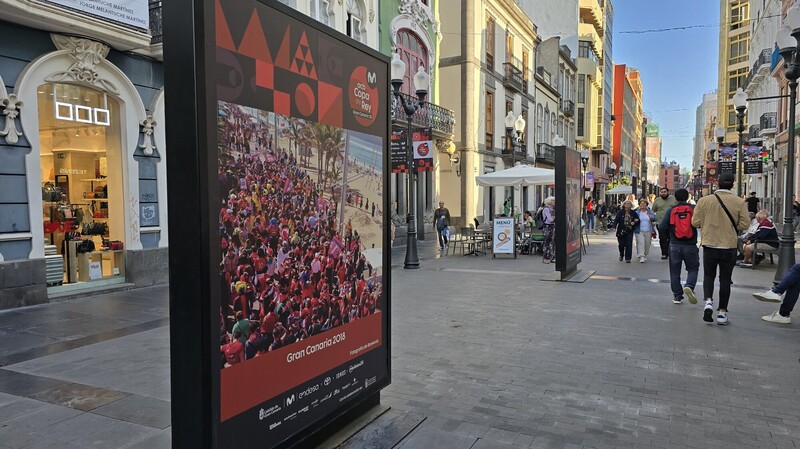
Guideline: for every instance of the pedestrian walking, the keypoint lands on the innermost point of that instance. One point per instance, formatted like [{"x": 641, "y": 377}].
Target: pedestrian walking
[
  {"x": 549, "y": 230},
  {"x": 625, "y": 222},
  {"x": 677, "y": 223},
  {"x": 602, "y": 217},
  {"x": 790, "y": 285},
  {"x": 590, "y": 215},
  {"x": 661, "y": 204},
  {"x": 441, "y": 217},
  {"x": 796, "y": 210},
  {"x": 644, "y": 230},
  {"x": 720, "y": 217},
  {"x": 752, "y": 203}
]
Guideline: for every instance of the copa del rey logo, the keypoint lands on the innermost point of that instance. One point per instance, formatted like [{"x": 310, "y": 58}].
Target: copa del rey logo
[{"x": 363, "y": 91}]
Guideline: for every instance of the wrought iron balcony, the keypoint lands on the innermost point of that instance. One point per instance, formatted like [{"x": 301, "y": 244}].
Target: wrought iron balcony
[
  {"x": 545, "y": 153},
  {"x": 156, "y": 31},
  {"x": 512, "y": 77},
  {"x": 753, "y": 131},
  {"x": 567, "y": 107},
  {"x": 768, "y": 123},
  {"x": 519, "y": 154},
  {"x": 441, "y": 120},
  {"x": 760, "y": 67}
]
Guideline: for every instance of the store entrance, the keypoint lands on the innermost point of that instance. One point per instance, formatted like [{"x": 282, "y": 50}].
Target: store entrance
[{"x": 82, "y": 198}]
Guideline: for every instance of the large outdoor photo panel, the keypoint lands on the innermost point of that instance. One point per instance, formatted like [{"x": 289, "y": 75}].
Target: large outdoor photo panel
[
  {"x": 298, "y": 313},
  {"x": 569, "y": 204}
]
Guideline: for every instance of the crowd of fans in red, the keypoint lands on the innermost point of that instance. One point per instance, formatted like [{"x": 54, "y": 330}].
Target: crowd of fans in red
[{"x": 287, "y": 271}]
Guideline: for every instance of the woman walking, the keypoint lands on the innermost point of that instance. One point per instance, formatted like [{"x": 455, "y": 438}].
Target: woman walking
[
  {"x": 625, "y": 223},
  {"x": 549, "y": 230},
  {"x": 644, "y": 230}
]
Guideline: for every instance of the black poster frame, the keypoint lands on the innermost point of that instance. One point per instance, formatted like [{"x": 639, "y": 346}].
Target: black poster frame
[
  {"x": 193, "y": 192},
  {"x": 569, "y": 203}
]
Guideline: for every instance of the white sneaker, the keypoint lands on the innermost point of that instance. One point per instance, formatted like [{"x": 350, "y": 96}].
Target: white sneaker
[
  {"x": 767, "y": 296},
  {"x": 722, "y": 319},
  {"x": 690, "y": 295},
  {"x": 641, "y": 259},
  {"x": 708, "y": 312},
  {"x": 776, "y": 317}
]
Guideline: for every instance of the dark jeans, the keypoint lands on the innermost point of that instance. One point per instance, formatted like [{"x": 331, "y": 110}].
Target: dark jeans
[
  {"x": 626, "y": 245},
  {"x": 686, "y": 254},
  {"x": 790, "y": 284},
  {"x": 442, "y": 238},
  {"x": 663, "y": 241},
  {"x": 725, "y": 259}
]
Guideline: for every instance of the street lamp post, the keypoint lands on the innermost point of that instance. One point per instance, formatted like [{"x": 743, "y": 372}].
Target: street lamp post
[
  {"x": 512, "y": 142},
  {"x": 787, "y": 39},
  {"x": 421, "y": 83},
  {"x": 740, "y": 104},
  {"x": 585, "y": 162}
]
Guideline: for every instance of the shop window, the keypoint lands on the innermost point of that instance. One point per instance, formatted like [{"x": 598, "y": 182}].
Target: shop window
[{"x": 81, "y": 166}]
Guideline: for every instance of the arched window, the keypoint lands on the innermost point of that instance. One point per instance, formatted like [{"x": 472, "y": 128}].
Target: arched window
[
  {"x": 539, "y": 123},
  {"x": 546, "y": 119},
  {"x": 414, "y": 53},
  {"x": 355, "y": 20},
  {"x": 553, "y": 125},
  {"x": 318, "y": 9}
]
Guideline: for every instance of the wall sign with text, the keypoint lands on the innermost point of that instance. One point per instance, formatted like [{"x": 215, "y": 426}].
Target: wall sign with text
[{"x": 133, "y": 13}]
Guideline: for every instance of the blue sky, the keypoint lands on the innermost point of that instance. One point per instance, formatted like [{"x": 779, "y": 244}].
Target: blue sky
[{"x": 677, "y": 67}]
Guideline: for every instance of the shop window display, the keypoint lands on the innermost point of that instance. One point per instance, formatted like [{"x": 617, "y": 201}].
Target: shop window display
[{"x": 82, "y": 198}]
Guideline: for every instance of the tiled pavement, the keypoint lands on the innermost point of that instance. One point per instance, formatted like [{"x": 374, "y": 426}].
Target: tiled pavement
[{"x": 484, "y": 353}]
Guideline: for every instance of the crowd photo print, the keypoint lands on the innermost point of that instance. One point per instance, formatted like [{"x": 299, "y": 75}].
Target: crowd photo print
[{"x": 302, "y": 147}]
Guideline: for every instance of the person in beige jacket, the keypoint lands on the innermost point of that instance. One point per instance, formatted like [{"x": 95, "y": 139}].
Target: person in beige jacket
[{"x": 718, "y": 237}]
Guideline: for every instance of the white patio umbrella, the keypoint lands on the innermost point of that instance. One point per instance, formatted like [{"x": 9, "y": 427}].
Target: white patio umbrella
[
  {"x": 521, "y": 175},
  {"x": 620, "y": 190}
]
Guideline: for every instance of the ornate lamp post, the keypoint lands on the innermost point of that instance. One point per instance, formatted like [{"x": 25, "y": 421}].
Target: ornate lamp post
[
  {"x": 512, "y": 142},
  {"x": 421, "y": 83},
  {"x": 787, "y": 39},
  {"x": 613, "y": 167},
  {"x": 740, "y": 104},
  {"x": 584, "y": 162}
]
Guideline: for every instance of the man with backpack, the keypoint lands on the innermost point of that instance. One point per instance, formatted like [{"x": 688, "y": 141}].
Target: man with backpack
[
  {"x": 721, "y": 216},
  {"x": 677, "y": 222},
  {"x": 660, "y": 206}
]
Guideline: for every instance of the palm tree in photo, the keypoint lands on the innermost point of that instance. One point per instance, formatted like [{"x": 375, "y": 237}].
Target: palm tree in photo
[{"x": 295, "y": 130}]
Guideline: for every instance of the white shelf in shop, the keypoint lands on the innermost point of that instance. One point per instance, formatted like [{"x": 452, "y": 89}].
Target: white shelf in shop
[{"x": 96, "y": 180}]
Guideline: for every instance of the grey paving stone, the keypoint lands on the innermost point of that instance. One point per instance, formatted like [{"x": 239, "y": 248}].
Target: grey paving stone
[
  {"x": 78, "y": 396},
  {"x": 90, "y": 430},
  {"x": 161, "y": 440},
  {"x": 146, "y": 411},
  {"x": 426, "y": 438}
]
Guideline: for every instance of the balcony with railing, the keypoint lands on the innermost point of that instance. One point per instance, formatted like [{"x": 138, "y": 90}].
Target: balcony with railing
[
  {"x": 768, "y": 123},
  {"x": 545, "y": 153},
  {"x": 156, "y": 30},
  {"x": 512, "y": 76},
  {"x": 519, "y": 152},
  {"x": 760, "y": 69},
  {"x": 567, "y": 107},
  {"x": 753, "y": 131},
  {"x": 441, "y": 120}
]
